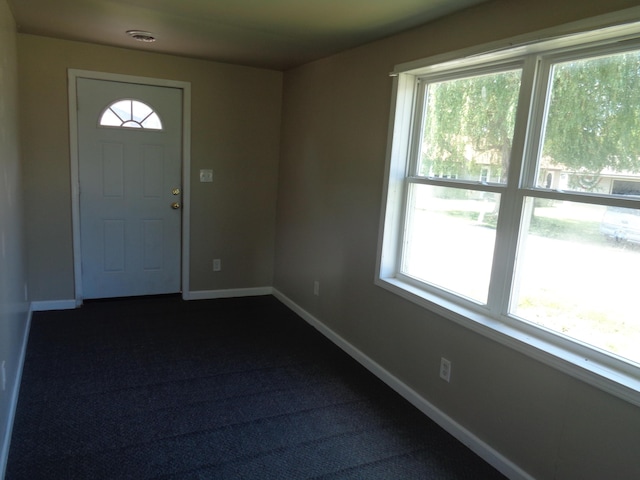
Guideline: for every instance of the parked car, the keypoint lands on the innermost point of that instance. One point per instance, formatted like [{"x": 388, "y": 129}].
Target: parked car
[{"x": 621, "y": 224}]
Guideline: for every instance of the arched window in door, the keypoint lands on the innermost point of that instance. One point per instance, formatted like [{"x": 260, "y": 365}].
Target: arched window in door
[{"x": 130, "y": 114}]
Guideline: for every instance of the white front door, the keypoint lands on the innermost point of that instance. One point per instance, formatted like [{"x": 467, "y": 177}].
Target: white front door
[{"x": 130, "y": 188}]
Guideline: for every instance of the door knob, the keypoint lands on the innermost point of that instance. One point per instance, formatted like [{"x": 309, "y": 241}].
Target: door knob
[{"x": 175, "y": 205}]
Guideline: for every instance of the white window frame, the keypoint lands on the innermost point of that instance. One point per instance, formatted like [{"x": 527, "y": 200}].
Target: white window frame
[
  {"x": 124, "y": 122},
  {"x": 534, "y": 54}
]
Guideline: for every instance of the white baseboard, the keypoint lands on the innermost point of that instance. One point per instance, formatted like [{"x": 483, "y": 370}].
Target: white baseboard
[
  {"x": 228, "y": 293},
  {"x": 45, "y": 305},
  {"x": 13, "y": 403},
  {"x": 482, "y": 449}
]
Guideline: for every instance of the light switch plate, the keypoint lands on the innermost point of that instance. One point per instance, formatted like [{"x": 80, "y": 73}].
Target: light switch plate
[{"x": 206, "y": 175}]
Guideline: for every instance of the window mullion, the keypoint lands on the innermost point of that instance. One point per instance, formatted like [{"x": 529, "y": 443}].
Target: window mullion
[
  {"x": 504, "y": 258},
  {"x": 539, "y": 102}
]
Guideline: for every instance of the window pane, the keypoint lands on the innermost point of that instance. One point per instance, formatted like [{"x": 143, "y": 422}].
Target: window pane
[
  {"x": 468, "y": 127},
  {"x": 592, "y": 135},
  {"x": 577, "y": 273},
  {"x": 122, "y": 108},
  {"x": 140, "y": 111},
  {"x": 450, "y": 237},
  {"x": 152, "y": 122},
  {"x": 110, "y": 119}
]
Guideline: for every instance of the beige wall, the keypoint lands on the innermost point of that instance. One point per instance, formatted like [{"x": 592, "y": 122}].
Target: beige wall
[
  {"x": 13, "y": 305},
  {"x": 335, "y": 121},
  {"x": 235, "y": 131}
]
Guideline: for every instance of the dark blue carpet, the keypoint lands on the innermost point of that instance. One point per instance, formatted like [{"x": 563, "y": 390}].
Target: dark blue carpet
[{"x": 158, "y": 388}]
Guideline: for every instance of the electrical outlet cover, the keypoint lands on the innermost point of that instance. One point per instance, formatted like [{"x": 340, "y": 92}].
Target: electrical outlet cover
[{"x": 445, "y": 369}]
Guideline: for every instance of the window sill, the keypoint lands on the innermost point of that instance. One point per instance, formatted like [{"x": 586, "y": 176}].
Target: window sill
[{"x": 536, "y": 343}]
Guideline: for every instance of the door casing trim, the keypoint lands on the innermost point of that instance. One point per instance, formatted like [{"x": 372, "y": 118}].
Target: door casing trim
[{"x": 73, "y": 75}]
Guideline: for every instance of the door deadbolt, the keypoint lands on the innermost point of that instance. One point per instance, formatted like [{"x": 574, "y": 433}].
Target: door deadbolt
[{"x": 176, "y": 191}]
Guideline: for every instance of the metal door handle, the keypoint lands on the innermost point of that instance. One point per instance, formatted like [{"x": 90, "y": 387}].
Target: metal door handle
[{"x": 175, "y": 205}]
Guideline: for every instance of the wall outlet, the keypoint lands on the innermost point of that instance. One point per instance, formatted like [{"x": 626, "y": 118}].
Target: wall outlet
[
  {"x": 316, "y": 288},
  {"x": 445, "y": 369},
  {"x": 217, "y": 265}
]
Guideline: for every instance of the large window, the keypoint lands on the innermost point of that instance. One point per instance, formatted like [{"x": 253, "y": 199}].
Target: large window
[{"x": 514, "y": 196}]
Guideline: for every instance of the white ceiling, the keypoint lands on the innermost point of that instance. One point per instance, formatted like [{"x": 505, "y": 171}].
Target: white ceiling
[{"x": 277, "y": 34}]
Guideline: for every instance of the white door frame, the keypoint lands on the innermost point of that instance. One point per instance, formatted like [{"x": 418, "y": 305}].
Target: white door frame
[{"x": 73, "y": 75}]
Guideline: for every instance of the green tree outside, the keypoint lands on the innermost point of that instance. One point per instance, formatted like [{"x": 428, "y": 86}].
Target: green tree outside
[{"x": 593, "y": 120}]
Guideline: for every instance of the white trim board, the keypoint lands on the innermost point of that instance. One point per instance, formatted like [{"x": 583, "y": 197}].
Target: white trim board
[
  {"x": 229, "y": 293},
  {"x": 73, "y": 75},
  {"x": 482, "y": 449},
  {"x": 13, "y": 402},
  {"x": 45, "y": 305}
]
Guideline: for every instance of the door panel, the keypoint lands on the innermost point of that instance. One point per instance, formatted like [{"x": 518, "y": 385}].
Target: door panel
[
  {"x": 112, "y": 170},
  {"x": 113, "y": 245},
  {"x": 129, "y": 233},
  {"x": 153, "y": 244}
]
